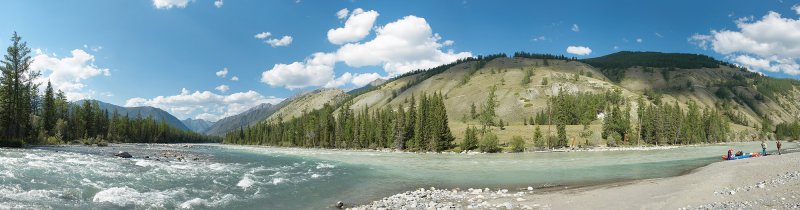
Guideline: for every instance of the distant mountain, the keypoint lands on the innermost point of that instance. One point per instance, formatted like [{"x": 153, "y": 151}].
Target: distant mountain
[
  {"x": 244, "y": 119},
  {"x": 374, "y": 83},
  {"x": 290, "y": 108},
  {"x": 145, "y": 111},
  {"x": 197, "y": 125}
]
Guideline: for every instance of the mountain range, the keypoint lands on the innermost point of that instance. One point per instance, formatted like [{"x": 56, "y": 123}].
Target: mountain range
[
  {"x": 197, "y": 125},
  {"x": 142, "y": 111},
  {"x": 747, "y": 98}
]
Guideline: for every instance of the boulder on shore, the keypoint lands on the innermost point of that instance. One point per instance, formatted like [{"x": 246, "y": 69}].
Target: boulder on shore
[
  {"x": 339, "y": 205},
  {"x": 123, "y": 155}
]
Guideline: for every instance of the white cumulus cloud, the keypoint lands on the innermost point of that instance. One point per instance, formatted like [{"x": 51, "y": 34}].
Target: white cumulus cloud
[
  {"x": 769, "y": 44},
  {"x": 357, "y": 80},
  {"x": 357, "y": 26},
  {"x": 222, "y": 88},
  {"x": 169, "y": 4},
  {"x": 401, "y": 46},
  {"x": 262, "y": 35},
  {"x": 234, "y": 78},
  {"x": 448, "y": 42},
  {"x": 68, "y": 73},
  {"x": 342, "y": 14},
  {"x": 314, "y": 71},
  {"x": 205, "y": 105},
  {"x": 222, "y": 73},
  {"x": 363, "y": 79},
  {"x": 579, "y": 50},
  {"x": 342, "y": 80},
  {"x": 218, "y": 3},
  {"x": 575, "y": 28},
  {"x": 282, "y": 42}
]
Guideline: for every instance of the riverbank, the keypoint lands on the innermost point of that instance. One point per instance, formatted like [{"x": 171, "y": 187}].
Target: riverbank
[
  {"x": 756, "y": 183},
  {"x": 470, "y": 152}
]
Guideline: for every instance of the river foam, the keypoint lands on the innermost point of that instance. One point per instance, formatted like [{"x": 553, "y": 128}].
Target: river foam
[
  {"x": 126, "y": 196},
  {"x": 79, "y": 177}
]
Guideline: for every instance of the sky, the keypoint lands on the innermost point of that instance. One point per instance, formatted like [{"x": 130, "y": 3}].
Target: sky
[{"x": 208, "y": 59}]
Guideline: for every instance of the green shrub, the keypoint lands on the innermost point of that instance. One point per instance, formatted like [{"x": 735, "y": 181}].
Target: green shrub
[
  {"x": 517, "y": 144},
  {"x": 489, "y": 143},
  {"x": 53, "y": 140}
]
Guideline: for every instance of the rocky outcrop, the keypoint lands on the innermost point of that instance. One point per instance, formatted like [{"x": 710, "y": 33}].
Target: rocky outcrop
[{"x": 123, "y": 155}]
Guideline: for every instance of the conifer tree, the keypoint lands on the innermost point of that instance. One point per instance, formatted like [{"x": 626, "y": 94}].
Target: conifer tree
[
  {"x": 470, "y": 139},
  {"x": 15, "y": 89},
  {"x": 538, "y": 140},
  {"x": 488, "y": 112},
  {"x": 49, "y": 110}
]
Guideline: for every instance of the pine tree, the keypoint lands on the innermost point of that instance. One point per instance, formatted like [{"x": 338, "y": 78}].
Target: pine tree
[
  {"x": 15, "y": 89},
  {"x": 562, "y": 134},
  {"x": 400, "y": 129},
  {"x": 526, "y": 79},
  {"x": 538, "y": 141},
  {"x": 488, "y": 113},
  {"x": 441, "y": 129},
  {"x": 472, "y": 112},
  {"x": 49, "y": 115},
  {"x": 88, "y": 119},
  {"x": 470, "y": 139}
]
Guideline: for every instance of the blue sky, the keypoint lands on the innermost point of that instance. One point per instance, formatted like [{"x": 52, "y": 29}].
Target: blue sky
[{"x": 166, "y": 53}]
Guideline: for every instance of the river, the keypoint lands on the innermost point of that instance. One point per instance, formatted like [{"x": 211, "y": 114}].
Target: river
[{"x": 213, "y": 176}]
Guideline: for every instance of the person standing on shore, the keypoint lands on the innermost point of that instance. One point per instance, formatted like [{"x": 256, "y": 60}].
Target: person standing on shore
[
  {"x": 763, "y": 148},
  {"x": 778, "y": 143}
]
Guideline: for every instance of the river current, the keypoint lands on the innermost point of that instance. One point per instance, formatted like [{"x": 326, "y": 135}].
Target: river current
[{"x": 212, "y": 176}]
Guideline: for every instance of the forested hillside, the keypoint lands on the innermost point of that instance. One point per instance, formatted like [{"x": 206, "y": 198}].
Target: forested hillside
[
  {"x": 144, "y": 111},
  {"x": 30, "y": 118},
  {"x": 423, "y": 127},
  {"x": 535, "y": 101}
]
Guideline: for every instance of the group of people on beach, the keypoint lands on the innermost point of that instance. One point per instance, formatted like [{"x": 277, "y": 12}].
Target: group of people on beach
[
  {"x": 741, "y": 155},
  {"x": 764, "y": 147}
]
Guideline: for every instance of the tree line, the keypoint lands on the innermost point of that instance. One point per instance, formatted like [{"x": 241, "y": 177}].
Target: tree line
[
  {"x": 522, "y": 54},
  {"x": 670, "y": 124},
  {"x": 414, "y": 125},
  {"x": 28, "y": 117},
  {"x": 788, "y": 131}
]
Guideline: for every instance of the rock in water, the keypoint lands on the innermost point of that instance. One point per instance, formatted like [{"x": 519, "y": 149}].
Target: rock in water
[
  {"x": 123, "y": 155},
  {"x": 339, "y": 205}
]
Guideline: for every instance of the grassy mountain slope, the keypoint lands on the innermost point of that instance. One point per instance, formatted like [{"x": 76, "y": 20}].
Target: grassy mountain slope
[
  {"x": 308, "y": 101},
  {"x": 670, "y": 77}
]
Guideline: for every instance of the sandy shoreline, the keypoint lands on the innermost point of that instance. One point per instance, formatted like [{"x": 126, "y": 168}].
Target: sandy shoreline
[{"x": 770, "y": 182}]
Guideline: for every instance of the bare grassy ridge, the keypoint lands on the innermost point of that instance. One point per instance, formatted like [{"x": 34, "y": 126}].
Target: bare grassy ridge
[{"x": 307, "y": 102}]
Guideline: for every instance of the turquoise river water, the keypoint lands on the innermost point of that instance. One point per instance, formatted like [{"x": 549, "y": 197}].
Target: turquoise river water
[{"x": 250, "y": 177}]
